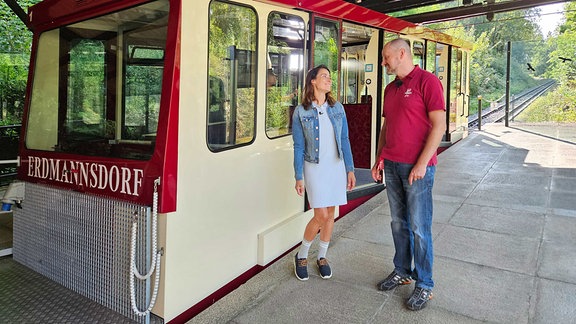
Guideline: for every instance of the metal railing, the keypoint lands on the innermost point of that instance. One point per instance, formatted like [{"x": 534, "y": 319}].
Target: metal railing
[{"x": 518, "y": 103}]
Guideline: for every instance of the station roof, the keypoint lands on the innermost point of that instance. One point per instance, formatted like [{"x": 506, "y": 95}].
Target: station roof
[{"x": 452, "y": 9}]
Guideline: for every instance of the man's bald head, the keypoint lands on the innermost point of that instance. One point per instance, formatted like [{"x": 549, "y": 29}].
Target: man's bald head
[
  {"x": 398, "y": 44},
  {"x": 397, "y": 57}
]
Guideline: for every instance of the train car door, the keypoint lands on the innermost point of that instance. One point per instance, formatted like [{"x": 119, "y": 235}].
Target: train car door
[
  {"x": 458, "y": 95},
  {"x": 441, "y": 69},
  {"x": 359, "y": 66}
]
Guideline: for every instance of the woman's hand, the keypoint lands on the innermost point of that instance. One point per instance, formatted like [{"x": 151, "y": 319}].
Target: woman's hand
[
  {"x": 351, "y": 181},
  {"x": 299, "y": 187}
]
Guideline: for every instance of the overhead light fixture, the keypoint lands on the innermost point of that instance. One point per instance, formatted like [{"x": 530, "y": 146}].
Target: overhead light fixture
[{"x": 358, "y": 1}]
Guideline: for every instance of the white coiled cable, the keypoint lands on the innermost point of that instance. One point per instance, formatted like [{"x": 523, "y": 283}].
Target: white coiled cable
[{"x": 155, "y": 266}]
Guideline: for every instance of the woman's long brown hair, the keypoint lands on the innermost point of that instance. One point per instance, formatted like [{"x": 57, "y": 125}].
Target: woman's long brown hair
[{"x": 308, "y": 96}]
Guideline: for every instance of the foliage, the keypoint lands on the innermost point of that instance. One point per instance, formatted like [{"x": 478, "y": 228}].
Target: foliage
[
  {"x": 557, "y": 106},
  {"x": 13, "y": 76},
  {"x": 565, "y": 47},
  {"x": 276, "y": 113},
  {"x": 14, "y": 35},
  {"x": 15, "y": 40},
  {"x": 489, "y": 56}
]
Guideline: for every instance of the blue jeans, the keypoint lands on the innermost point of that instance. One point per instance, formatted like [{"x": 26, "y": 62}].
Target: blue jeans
[{"x": 411, "y": 209}]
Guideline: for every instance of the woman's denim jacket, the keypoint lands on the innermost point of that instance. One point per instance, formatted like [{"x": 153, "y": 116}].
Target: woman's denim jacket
[{"x": 306, "y": 136}]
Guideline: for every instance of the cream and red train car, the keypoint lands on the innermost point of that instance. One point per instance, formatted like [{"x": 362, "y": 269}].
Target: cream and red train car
[{"x": 156, "y": 156}]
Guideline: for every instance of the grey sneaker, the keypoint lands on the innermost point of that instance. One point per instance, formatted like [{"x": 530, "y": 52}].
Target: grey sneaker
[
  {"x": 393, "y": 280},
  {"x": 300, "y": 268},
  {"x": 419, "y": 298},
  {"x": 324, "y": 268}
]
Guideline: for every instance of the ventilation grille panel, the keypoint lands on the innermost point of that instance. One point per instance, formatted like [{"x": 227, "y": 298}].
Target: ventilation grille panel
[{"x": 83, "y": 242}]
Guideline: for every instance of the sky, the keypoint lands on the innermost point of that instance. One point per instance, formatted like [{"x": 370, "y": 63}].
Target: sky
[{"x": 548, "y": 20}]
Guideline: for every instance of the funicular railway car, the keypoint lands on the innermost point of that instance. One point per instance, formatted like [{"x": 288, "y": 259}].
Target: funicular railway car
[{"x": 156, "y": 156}]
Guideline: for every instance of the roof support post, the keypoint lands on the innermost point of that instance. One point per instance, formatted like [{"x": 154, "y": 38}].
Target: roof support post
[{"x": 508, "y": 50}]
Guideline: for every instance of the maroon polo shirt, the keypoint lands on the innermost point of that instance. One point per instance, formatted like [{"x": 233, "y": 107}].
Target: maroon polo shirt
[{"x": 406, "y": 108}]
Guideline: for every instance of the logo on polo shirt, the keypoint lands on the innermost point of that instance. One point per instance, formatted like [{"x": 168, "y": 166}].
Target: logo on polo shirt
[{"x": 408, "y": 93}]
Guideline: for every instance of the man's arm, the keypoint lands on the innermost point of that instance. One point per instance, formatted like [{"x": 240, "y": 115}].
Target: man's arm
[{"x": 438, "y": 121}]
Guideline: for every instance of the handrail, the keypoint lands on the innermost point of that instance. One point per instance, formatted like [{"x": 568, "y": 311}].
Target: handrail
[{"x": 17, "y": 161}]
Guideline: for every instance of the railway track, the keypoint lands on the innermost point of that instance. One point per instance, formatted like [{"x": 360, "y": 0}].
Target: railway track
[{"x": 518, "y": 103}]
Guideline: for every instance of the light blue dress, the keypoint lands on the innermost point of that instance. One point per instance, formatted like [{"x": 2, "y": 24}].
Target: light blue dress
[{"x": 326, "y": 180}]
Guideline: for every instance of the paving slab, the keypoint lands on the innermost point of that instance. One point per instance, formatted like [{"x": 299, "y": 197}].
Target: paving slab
[
  {"x": 520, "y": 179},
  {"x": 497, "y": 195},
  {"x": 555, "y": 302},
  {"x": 558, "y": 261},
  {"x": 444, "y": 211},
  {"x": 567, "y": 184},
  {"x": 499, "y": 220},
  {"x": 481, "y": 292},
  {"x": 563, "y": 200},
  {"x": 514, "y": 168},
  {"x": 331, "y": 302},
  {"x": 375, "y": 228},
  {"x": 454, "y": 188},
  {"x": 560, "y": 229},
  {"x": 395, "y": 312},
  {"x": 506, "y": 252}
]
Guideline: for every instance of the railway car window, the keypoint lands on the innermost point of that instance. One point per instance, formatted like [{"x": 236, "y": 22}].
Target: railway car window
[
  {"x": 355, "y": 41},
  {"x": 285, "y": 71},
  {"x": 232, "y": 74},
  {"x": 418, "y": 54},
  {"x": 326, "y": 39},
  {"x": 431, "y": 56},
  {"x": 96, "y": 85}
]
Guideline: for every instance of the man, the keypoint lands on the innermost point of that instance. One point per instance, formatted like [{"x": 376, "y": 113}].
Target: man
[{"x": 413, "y": 126}]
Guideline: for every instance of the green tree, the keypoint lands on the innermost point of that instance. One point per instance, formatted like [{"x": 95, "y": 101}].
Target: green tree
[
  {"x": 488, "y": 57},
  {"x": 565, "y": 47},
  {"x": 14, "y": 35},
  {"x": 13, "y": 76},
  {"x": 560, "y": 104},
  {"x": 15, "y": 40}
]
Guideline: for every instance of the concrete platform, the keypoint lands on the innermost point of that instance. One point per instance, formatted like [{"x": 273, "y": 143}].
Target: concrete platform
[{"x": 504, "y": 238}]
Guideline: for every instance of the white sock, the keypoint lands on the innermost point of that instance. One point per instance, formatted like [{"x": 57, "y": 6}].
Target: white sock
[
  {"x": 304, "y": 247},
  {"x": 322, "y": 249}
]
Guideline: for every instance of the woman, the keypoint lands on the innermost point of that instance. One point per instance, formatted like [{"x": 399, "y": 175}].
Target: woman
[{"x": 322, "y": 163}]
